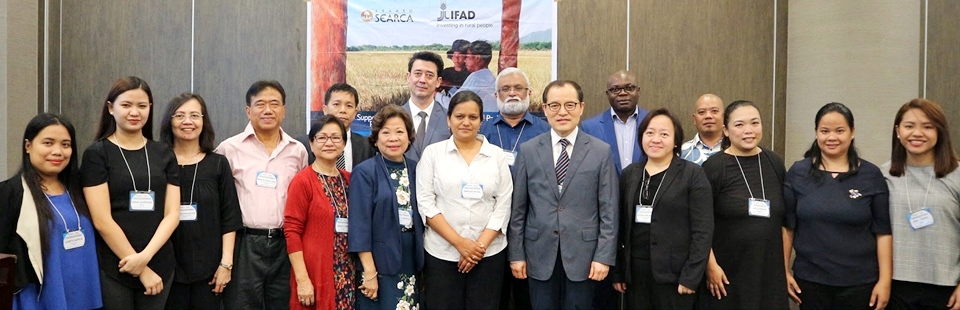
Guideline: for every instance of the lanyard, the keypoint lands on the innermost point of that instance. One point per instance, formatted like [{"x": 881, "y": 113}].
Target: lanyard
[
  {"x": 500, "y": 137},
  {"x": 760, "y": 166},
  {"x": 194, "y": 182},
  {"x": 145, "y": 153},
  {"x": 326, "y": 190},
  {"x": 925, "y": 195},
  {"x": 642, "y": 177},
  {"x": 61, "y": 214}
]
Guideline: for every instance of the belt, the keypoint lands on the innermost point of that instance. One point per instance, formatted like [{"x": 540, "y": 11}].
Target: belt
[{"x": 269, "y": 232}]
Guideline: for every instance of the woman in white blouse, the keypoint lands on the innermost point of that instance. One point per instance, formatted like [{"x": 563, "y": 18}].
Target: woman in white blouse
[{"x": 464, "y": 191}]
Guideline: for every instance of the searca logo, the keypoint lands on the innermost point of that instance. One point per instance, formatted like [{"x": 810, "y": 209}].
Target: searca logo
[
  {"x": 454, "y": 14},
  {"x": 387, "y": 16}
]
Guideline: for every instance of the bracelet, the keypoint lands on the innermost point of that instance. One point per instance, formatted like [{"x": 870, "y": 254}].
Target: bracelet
[
  {"x": 371, "y": 277},
  {"x": 227, "y": 267}
]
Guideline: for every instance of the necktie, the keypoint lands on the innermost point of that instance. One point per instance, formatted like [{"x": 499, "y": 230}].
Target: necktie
[
  {"x": 341, "y": 162},
  {"x": 562, "y": 161},
  {"x": 421, "y": 128}
]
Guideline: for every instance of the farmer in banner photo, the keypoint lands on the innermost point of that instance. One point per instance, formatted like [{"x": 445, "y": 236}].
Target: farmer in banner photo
[{"x": 481, "y": 79}]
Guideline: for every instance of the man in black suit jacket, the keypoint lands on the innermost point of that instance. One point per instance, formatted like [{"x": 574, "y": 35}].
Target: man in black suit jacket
[{"x": 340, "y": 100}]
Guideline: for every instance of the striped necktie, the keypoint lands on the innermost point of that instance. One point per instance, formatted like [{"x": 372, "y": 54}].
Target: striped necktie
[{"x": 562, "y": 161}]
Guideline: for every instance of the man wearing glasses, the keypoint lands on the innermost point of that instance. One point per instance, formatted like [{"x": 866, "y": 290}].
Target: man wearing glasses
[
  {"x": 429, "y": 117},
  {"x": 619, "y": 127},
  {"x": 514, "y": 125},
  {"x": 340, "y": 100},
  {"x": 563, "y": 222}
]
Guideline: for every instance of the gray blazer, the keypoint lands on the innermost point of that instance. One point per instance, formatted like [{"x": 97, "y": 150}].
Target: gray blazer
[
  {"x": 581, "y": 221},
  {"x": 437, "y": 130}
]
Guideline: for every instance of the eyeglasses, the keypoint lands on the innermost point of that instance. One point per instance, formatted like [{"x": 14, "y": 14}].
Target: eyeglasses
[
  {"x": 617, "y": 89},
  {"x": 193, "y": 116},
  {"x": 507, "y": 89},
  {"x": 555, "y": 107},
  {"x": 324, "y": 139}
]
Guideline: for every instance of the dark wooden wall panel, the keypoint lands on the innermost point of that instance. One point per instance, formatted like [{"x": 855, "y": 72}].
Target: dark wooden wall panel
[
  {"x": 592, "y": 39},
  {"x": 106, "y": 40},
  {"x": 241, "y": 42},
  {"x": 943, "y": 60},
  {"x": 682, "y": 49}
]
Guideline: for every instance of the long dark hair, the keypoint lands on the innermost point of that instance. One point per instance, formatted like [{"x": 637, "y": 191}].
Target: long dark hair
[
  {"x": 108, "y": 125},
  {"x": 853, "y": 158},
  {"x": 69, "y": 177},
  {"x": 945, "y": 159},
  {"x": 166, "y": 123},
  {"x": 733, "y": 106}
]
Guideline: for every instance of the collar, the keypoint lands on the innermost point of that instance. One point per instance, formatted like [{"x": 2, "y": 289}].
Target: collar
[
  {"x": 697, "y": 142},
  {"x": 485, "y": 147},
  {"x": 572, "y": 137},
  {"x": 527, "y": 117},
  {"x": 249, "y": 133},
  {"x": 414, "y": 109},
  {"x": 636, "y": 111}
]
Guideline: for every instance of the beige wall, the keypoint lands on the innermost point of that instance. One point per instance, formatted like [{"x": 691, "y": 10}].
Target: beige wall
[
  {"x": 19, "y": 76},
  {"x": 861, "y": 53}
]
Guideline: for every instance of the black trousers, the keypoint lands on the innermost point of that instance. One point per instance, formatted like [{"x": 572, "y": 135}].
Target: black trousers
[
  {"x": 644, "y": 293},
  {"x": 197, "y": 295},
  {"x": 559, "y": 292},
  {"x": 914, "y": 296},
  {"x": 515, "y": 294},
  {"x": 447, "y": 288},
  {"x": 261, "y": 273},
  {"x": 816, "y": 296},
  {"x": 118, "y": 296}
]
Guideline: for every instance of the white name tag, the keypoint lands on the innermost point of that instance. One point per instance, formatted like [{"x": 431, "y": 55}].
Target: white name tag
[
  {"x": 406, "y": 217},
  {"x": 511, "y": 157},
  {"x": 471, "y": 190},
  {"x": 920, "y": 219},
  {"x": 73, "y": 240},
  {"x": 188, "y": 212},
  {"x": 644, "y": 214},
  {"x": 267, "y": 179},
  {"x": 759, "y": 207},
  {"x": 141, "y": 200},
  {"x": 340, "y": 225}
]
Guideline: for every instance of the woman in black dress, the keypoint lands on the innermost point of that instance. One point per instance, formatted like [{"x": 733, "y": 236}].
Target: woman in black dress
[
  {"x": 132, "y": 186},
  {"x": 746, "y": 268},
  {"x": 209, "y": 208}
]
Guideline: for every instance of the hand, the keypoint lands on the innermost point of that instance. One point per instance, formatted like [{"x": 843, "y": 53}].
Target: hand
[
  {"x": 683, "y": 290},
  {"x": 954, "y": 303},
  {"x": 464, "y": 265},
  {"x": 151, "y": 281},
  {"x": 880, "y": 296},
  {"x": 305, "y": 292},
  {"x": 134, "y": 264},
  {"x": 598, "y": 271},
  {"x": 519, "y": 269},
  {"x": 716, "y": 280},
  {"x": 620, "y": 287},
  {"x": 369, "y": 287},
  {"x": 220, "y": 280},
  {"x": 470, "y": 249},
  {"x": 793, "y": 288}
]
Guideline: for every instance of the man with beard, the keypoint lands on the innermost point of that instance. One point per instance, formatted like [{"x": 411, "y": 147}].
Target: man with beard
[
  {"x": 618, "y": 128},
  {"x": 708, "y": 117},
  {"x": 513, "y": 125}
]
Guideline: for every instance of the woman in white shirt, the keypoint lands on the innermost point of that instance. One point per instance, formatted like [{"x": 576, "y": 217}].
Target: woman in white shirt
[{"x": 464, "y": 192}]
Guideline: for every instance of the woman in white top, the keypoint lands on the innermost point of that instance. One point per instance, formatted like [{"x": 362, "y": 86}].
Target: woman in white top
[
  {"x": 465, "y": 189},
  {"x": 924, "y": 187}
]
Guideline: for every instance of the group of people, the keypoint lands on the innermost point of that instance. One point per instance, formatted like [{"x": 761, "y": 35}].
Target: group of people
[{"x": 438, "y": 209}]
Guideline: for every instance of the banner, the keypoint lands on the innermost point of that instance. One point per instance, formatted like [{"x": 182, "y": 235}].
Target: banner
[{"x": 368, "y": 43}]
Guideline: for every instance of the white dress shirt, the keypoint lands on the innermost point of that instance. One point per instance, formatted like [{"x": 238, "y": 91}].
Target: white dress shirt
[
  {"x": 626, "y": 134},
  {"x": 442, "y": 174},
  {"x": 414, "y": 110},
  {"x": 555, "y": 141}
]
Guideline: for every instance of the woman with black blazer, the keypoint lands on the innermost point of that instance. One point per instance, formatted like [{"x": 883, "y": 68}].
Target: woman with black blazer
[{"x": 666, "y": 214}]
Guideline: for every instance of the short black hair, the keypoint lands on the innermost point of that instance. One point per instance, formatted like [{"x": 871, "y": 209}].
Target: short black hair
[
  {"x": 426, "y": 56},
  {"x": 464, "y": 96},
  {"x": 562, "y": 83},
  {"x": 260, "y": 85},
  {"x": 323, "y": 121},
  {"x": 483, "y": 49},
  {"x": 341, "y": 87},
  {"x": 387, "y": 112},
  {"x": 677, "y": 129}
]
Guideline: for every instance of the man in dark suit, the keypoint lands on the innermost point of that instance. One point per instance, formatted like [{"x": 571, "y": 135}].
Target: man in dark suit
[
  {"x": 563, "y": 225},
  {"x": 429, "y": 117},
  {"x": 618, "y": 127},
  {"x": 340, "y": 100}
]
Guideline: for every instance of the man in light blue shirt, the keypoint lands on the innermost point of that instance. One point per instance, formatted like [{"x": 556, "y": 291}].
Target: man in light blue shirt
[
  {"x": 708, "y": 117},
  {"x": 619, "y": 126},
  {"x": 481, "y": 79}
]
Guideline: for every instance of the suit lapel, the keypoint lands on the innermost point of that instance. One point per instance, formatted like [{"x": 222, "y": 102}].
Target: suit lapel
[
  {"x": 580, "y": 150},
  {"x": 671, "y": 175},
  {"x": 437, "y": 122},
  {"x": 549, "y": 166},
  {"x": 610, "y": 137}
]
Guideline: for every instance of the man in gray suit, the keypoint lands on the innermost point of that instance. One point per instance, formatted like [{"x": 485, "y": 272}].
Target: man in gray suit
[
  {"x": 429, "y": 117},
  {"x": 563, "y": 225}
]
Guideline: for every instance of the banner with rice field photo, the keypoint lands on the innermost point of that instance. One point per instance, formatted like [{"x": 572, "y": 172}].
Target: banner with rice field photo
[{"x": 367, "y": 43}]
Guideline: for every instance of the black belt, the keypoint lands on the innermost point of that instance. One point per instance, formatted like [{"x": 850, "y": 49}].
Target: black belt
[{"x": 270, "y": 232}]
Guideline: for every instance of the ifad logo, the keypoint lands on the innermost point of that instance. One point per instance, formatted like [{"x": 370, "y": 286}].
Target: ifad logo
[{"x": 454, "y": 14}]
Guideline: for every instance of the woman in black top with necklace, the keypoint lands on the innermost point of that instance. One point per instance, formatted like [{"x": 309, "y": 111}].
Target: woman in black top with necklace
[
  {"x": 132, "y": 186},
  {"x": 746, "y": 269}
]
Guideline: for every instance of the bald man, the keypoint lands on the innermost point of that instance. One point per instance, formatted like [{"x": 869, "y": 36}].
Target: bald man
[
  {"x": 618, "y": 126},
  {"x": 708, "y": 118}
]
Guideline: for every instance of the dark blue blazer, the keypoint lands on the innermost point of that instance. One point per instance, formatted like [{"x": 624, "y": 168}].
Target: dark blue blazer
[
  {"x": 374, "y": 225},
  {"x": 601, "y": 127}
]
